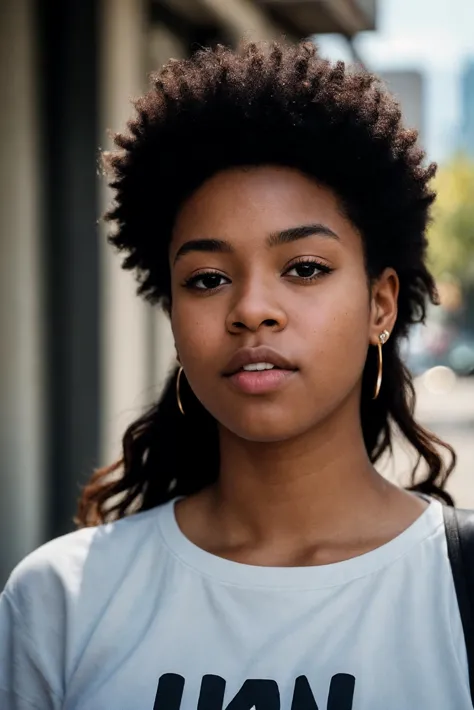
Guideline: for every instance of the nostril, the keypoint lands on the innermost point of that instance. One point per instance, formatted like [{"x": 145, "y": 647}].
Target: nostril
[{"x": 268, "y": 322}]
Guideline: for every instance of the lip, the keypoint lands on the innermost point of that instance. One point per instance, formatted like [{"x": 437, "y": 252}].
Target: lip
[
  {"x": 260, "y": 381},
  {"x": 250, "y": 356}
]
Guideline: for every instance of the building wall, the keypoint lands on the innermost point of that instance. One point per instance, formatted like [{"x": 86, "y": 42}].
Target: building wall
[
  {"x": 22, "y": 361},
  {"x": 68, "y": 134},
  {"x": 408, "y": 87},
  {"x": 467, "y": 98},
  {"x": 126, "y": 372}
]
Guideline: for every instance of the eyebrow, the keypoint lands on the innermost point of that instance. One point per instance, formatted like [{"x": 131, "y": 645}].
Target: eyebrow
[
  {"x": 208, "y": 245},
  {"x": 275, "y": 239},
  {"x": 294, "y": 233}
]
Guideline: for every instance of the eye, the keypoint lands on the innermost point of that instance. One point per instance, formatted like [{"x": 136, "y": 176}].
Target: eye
[
  {"x": 308, "y": 270},
  {"x": 206, "y": 281}
]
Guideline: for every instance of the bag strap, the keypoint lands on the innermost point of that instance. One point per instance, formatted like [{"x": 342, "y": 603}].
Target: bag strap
[{"x": 459, "y": 525}]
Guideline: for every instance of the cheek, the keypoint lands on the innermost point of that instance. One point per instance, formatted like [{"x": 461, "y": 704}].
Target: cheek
[
  {"x": 198, "y": 340},
  {"x": 197, "y": 336},
  {"x": 336, "y": 328}
]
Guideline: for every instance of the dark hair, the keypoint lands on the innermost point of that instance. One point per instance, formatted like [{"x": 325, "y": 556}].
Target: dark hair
[{"x": 282, "y": 105}]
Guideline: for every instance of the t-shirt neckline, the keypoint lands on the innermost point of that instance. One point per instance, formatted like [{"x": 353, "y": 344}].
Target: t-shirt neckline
[{"x": 310, "y": 577}]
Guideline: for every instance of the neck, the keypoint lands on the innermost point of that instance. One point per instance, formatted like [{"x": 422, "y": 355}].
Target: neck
[{"x": 320, "y": 484}]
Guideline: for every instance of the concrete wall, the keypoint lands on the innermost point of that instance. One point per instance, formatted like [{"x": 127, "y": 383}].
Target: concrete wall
[
  {"x": 136, "y": 344},
  {"x": 22, "y": 371}
]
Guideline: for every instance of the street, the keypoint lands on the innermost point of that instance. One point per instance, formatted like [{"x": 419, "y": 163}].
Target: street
[{"x": 445, "y": 405}]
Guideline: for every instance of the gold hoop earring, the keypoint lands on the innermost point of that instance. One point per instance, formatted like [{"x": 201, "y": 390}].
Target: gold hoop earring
[
  {"x": 383, "y": 337},
  {"x": 178, "y": 397}
]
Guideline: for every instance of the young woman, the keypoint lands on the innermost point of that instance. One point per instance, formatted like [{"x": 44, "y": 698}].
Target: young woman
[{"x": 245, "y": 553}]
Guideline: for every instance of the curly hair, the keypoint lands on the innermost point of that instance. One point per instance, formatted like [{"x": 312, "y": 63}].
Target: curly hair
[{"x": 266, "y": 104}]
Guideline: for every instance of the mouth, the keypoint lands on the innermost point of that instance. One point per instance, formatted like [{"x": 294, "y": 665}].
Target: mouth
[
  {"x": 257, "y": 359},
  {"x": 258, "y": 370}
]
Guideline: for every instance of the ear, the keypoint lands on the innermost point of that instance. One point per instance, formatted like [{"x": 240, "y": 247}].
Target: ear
[{"x": 383, "y": 307}]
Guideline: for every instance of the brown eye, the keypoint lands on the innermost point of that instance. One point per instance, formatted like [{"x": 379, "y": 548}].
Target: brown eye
[
  {"x": 308, "y": 270},
  {"x": 206, "y": 281}
]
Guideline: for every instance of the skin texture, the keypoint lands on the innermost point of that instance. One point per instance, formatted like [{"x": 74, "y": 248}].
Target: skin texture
[{"x": 295, "y": 486}]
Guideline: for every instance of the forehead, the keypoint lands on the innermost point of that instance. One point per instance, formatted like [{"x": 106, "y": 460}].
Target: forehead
[{"x": 256, "y": 201}]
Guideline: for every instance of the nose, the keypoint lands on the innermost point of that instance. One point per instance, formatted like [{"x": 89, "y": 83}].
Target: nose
[{"x": 254, "y": 308}]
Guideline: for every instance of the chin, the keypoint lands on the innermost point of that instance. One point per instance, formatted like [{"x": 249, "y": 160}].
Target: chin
[{"x": 266, "y": 429}]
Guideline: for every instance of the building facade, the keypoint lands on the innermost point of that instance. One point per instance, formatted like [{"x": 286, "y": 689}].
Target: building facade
[{"x": 467, "y": 109}]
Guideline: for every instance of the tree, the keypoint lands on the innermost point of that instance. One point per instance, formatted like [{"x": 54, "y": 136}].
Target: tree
[{"x": 451, "y": 233}]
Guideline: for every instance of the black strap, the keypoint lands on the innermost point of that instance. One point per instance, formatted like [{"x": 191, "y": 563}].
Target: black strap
[{"x": 459, "y": 525}]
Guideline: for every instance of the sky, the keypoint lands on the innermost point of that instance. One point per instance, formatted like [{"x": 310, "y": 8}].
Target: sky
[{"x": 435, "y": 37}]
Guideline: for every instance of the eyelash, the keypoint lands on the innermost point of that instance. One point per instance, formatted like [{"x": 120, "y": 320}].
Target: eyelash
[{"x": 324, "y": 269}]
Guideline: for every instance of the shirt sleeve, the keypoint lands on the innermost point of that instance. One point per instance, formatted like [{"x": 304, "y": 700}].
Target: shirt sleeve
[{"x": 27, "y": 656}]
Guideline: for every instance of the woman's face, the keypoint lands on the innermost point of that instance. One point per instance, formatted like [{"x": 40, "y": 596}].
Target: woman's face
[{"x": 265, "y": 267}]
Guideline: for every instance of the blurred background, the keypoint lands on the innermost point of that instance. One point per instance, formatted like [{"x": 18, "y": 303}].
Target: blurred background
[{"x": 80, "y": 354}]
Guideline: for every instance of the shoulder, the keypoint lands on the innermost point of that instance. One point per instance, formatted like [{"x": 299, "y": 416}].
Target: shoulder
[
  {"x": 59, "y": 569},
  {"x": 59, "y": 595}
]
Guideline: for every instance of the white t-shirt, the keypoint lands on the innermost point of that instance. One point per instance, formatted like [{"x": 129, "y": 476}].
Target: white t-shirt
[{"x": 133, "y": 616}]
